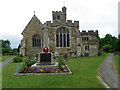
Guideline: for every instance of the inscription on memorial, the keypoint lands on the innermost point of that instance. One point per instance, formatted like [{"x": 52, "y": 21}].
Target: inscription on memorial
[{"x": 45, "y": 58}]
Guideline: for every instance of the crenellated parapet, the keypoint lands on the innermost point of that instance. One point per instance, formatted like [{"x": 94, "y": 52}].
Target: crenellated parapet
[
  {"x": 89, "y": 32},
  {"x": 57, "y": 12},
  {"x": 68, "y": 23},
  {"x": 48, "y": 24},
  {"x": 59, "y": 16},
  {"x": 72, "y": 24},
  {"x": 60, "y": 12}
]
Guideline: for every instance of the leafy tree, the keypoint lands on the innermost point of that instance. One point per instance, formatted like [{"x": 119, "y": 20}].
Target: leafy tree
[
  {"x": 108, "y": 42},
  {"x": 107, "y": 39},
  {"x": 14, "y": 51},
  {"x": 117, "y": 44},
  {"x": 119, "y": 36},
  {"x": 6, "y": 44},
  {"x": 117, "y": 48},
  {"x": 6, "y": 49},
  {"x": 107, "y": 47}
]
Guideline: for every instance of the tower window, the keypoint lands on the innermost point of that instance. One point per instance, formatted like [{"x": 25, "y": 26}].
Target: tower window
[
  {"x": 58, "y": 17},
  {"x": 54, "y": 17}
]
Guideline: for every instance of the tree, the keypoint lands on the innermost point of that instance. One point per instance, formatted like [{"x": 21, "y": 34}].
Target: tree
[
  {"x": 119, "y": 36},
  {"x": 6, "y": 44},
  {"x": 6, "y": 49},
  {"x": 108, "y": 42},
  {"x": 107, "y": 47},
  {"x": 117, "y": 44},
  {"x": 14, "y": 51}
]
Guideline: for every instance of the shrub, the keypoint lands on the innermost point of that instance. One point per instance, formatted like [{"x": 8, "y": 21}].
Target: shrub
[
  {"x": 17, "y": 59},
  {"x": 20, "y": 55},
  {"x": 60, "y": 61},
  {"x": 30, "y": 62},
  {"x": 25, "y": 58},
  {"x": 21, "y": 67}
]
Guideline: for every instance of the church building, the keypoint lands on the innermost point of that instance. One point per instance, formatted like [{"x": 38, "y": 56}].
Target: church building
[{"x": 60, "y": 35}]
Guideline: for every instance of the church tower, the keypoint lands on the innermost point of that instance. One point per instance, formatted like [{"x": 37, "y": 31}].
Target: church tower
[{"x": 59, "y": 16}]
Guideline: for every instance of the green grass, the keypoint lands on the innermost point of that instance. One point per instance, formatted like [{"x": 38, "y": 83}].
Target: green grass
[
  {"x": 3, "y": 58},
  {"x": 116, "y": 66},
  {"x": 84, "y": 75},
  {"x": 107, "y": 53}
]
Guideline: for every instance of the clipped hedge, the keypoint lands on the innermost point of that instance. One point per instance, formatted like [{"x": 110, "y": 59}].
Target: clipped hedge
[{"x": 17, "y": 59}]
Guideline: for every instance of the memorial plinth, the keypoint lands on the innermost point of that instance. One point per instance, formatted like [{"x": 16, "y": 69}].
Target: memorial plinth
[{"x": 45, "y": 57}]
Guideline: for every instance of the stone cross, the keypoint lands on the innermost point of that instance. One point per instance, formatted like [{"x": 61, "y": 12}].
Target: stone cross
[{"x": 45, "y": 44}]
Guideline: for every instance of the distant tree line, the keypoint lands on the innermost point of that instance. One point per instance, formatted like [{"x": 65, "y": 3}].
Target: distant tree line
[
  {"x": 110, "y": 44},
  {"x": 5, "y": 48}
]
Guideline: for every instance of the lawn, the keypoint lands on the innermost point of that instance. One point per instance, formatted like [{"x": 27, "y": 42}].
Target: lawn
[
  {"x": 116, "y": 66},
  {"x": 3, "y": 58},
  {"x": 84, "y": 75}
]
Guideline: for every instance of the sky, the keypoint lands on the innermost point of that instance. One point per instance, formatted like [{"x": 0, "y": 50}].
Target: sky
[{"x": 101, "y": 15}]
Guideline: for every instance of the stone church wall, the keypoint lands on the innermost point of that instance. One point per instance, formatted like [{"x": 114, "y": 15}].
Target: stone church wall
[
  {"x": 91, "y": 41},
  {"x": 77, "y": 42},
  {"x": 73, "y": 29},
  {"x": 30, "y": 31}
]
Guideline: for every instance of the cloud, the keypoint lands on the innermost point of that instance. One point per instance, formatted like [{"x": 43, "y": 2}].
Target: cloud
[
  {"x": 14, "y": 39},
  {"x": 99, "y": 15}
]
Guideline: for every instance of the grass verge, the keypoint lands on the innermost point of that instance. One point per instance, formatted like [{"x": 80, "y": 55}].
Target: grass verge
[
  {"x": 3, "y": 58},
  {"x": 116, "y": 61},
  {"x": 84, "y": 75}
]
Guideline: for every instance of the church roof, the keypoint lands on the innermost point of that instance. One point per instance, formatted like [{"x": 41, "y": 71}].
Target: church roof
[{"x": 34, "y": 18}]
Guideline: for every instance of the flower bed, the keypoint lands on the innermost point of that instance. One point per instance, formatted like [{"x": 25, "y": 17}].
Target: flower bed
[{"x": 64, "y": 69}]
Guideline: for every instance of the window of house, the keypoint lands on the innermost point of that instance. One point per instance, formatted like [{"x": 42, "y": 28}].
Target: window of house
[
  {"x": 85, "y": 38},
  {"x": 87, "y": 47},
  {"x": 62, "y": 37},
  {"x": 36, "y": 41}
]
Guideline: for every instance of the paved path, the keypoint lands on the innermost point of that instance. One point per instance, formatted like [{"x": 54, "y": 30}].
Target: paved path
[
  {"x": 6, "y": 62},
  {"x": 108, "y": 74}
]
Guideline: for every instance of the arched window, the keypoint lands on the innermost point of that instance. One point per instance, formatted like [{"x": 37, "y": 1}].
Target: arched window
[
  {"x": 62, "y": 37},
  {"x": 36, "y": 41}
]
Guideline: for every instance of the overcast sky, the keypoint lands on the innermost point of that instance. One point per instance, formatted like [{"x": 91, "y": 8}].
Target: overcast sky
[{"x": 101, "y": 15}]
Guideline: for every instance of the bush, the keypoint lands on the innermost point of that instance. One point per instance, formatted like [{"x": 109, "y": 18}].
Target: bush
[
  {"x": 60, "y": 61},
  {"x": 21, "y": 67},
  {"x": 20, "y": 55},
  {"x": 17, "y": 59},
  {"x": 30, "y": 62}
]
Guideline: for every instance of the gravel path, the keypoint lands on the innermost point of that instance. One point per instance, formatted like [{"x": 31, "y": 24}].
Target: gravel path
[
  {"x": 6, "y": 62},
  {"x": 109, "y": 76}
]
